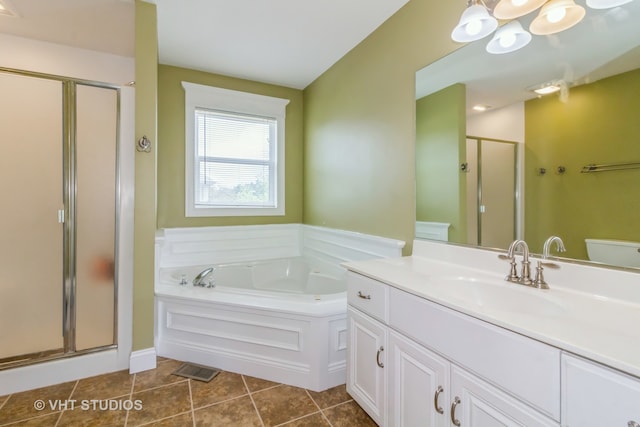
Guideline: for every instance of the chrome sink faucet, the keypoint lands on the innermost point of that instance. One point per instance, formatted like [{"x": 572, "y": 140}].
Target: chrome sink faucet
[
  {"x": 199, "y": 280},
  {"x": 539, "y": 281},
  {"x": 525, "y": 276}
]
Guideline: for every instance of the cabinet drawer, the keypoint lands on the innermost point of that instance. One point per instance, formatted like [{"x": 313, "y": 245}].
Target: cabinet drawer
[
  {"x": 525, "y": 368},
  {"x": 594, "y": 395},
  {"x": 368, "y": 295}
]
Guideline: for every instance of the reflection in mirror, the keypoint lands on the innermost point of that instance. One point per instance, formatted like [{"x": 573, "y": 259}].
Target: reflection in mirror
[{"x": 538, "y": 148}]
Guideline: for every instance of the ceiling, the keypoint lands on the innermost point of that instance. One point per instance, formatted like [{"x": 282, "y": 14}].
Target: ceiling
[
  {"x": 284, "y": 42},
  {"x": 605, "y": 43},
  {"x": 102, "y": 25}
]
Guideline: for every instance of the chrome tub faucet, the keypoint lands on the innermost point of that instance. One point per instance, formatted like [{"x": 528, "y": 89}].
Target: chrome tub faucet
[{"x": 199, "y": 280}]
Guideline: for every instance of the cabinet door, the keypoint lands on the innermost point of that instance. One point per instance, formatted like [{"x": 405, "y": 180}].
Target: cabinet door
[
  {"x": 475, "y": 403},
  {"x": 366, "y": 363},
  {"x": 418, "y": 385},
  {"x": 596, "y": 396}
]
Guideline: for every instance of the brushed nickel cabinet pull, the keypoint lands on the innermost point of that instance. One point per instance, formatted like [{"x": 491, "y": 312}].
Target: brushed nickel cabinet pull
[
  {"x": 363, "y": 296},
  {"x": 435, "y": 400},
  {"x": 454, "y": 420},
  {"x": 380, "y": 350}
]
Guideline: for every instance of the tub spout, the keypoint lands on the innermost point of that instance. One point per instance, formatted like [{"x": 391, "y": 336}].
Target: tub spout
[{"x": 199, "y": 280}]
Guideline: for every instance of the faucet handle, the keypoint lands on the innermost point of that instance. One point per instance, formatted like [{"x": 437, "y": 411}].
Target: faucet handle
[
  {"x": 513, "y": 271},
  {"x": 539, "y": 282}
]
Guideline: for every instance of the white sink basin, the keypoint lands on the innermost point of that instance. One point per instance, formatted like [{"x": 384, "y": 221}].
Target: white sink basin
[{"x": 499, "y": 295}]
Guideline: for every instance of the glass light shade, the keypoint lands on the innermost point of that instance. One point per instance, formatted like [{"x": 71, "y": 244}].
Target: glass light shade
[
  {"x": 556, "y": 16},
  {"x": 606, "y": 4},
  {"x": 511, "y": 9},
  {"x": 475, "y": 23},
  {"x": 508, "y": 38}
]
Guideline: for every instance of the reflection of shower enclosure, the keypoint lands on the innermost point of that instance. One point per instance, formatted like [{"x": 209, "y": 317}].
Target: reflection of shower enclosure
[
  {"x": 59, "y": 192},
  {"x": 491, "y": 191}
]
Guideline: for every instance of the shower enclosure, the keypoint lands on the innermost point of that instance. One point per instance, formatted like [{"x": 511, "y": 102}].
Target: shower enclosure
[
  {"x": 59, "y": 190},
  {"x": 492, "y": 196}
]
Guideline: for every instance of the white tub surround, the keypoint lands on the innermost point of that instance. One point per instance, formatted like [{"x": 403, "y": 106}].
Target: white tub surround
[
  {"x": 295, "y": 338},
  {"x": 432, "y": 230},
  {"x": 444, "y": 323}
]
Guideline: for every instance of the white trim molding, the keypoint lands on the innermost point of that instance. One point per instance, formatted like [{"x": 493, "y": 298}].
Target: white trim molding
[
  {"x": 142, "y": 360},
  {"x": 226, "y": 100}
]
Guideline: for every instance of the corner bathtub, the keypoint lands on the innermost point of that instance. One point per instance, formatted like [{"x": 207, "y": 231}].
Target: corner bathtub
[{"x": 278, "y": 320}]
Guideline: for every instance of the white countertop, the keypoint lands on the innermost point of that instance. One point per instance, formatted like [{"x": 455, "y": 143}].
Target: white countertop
[{"x": 596, "y": 327}]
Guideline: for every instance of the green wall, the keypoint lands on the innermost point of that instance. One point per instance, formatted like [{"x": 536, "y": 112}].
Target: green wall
[
  {"x": 359, "y": 128},
  {"x": 440, "y": 149},
  {"x": 586, "y": 129},
  {"x": 171, "y": 149},
  {"x": 145, "y": 176}
]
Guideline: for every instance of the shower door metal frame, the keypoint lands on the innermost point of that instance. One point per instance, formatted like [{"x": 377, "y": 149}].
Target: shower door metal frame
[
  {"x": 69, "y": 113},
  {"x": 516, "y": 193}
]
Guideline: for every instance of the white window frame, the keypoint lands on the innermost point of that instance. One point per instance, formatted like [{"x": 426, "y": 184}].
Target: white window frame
[{"x": 214, "y": 98}]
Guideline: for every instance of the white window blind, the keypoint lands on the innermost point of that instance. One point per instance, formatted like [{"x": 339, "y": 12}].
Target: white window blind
[{"x": 236, "y": 159}]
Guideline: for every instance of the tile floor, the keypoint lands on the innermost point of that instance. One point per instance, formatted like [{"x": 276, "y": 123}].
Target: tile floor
[{"x": 158, "y": 398}]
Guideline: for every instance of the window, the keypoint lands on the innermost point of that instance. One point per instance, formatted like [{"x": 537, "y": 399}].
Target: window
[{"x": 234, "y": 152}]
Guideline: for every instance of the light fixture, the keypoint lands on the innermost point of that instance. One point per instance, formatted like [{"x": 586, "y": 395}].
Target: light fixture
[
  {"x": 547, "y": 88},
  {"x": 556, "y": 16},
  {"x": 479, "y": 20},
  {"x": 475, "y": 23},
  {"x": 7, "y": 9},
  {"x": 606, "y": 4},
  {"x": 481, "y": 107},
  {"x": 511, "y": 9},
  {"x": 508, "y": 38}
]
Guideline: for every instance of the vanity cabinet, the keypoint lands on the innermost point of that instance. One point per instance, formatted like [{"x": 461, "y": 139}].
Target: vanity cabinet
[
  {"x": 475, "y": 403},
  {"x": 428, "y": 376},
  {"x": 366, "y": 381},
  {"x": 367, "y": 314},
  {"x": 418, "y": 385},
  {"x": 594, "y": 395}
]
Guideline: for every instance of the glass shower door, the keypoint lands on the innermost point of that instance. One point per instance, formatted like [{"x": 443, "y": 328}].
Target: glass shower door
[
  {"x": 59, "y": 194},
  {"x": 491, "y": 192},
  {"x": 31, "y": 230},
  {"x": 96, "y": 174}
]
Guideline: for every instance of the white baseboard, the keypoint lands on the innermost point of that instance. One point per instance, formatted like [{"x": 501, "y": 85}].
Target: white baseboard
[{"x": 142, "y": 360}]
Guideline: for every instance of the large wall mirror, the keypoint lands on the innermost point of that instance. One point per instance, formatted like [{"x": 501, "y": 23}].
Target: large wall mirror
[{"x": 531, "y": 166}]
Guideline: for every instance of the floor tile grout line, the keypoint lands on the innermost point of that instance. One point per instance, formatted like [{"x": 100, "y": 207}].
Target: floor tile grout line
[
  {"x": 252, "y": 401},
  {"x": 6, "y": 400},
  {"x": 338, "y": 404},
  {"x": 75, "y": 386},
  {"x": 193, "y": 412},
  {"x": 159, "y": 386},
  {"x": 319, "y": 408},
  {"x": 208, "y": 405},
  {"x": 299, "y": 418},
  {"x": 10, "y": 423},
  {"x": 41, "y": 415},
  {"x": 162, "y": 419},
  {"x": 133, "y": 384},
  {"x": 265, "y": 389}
]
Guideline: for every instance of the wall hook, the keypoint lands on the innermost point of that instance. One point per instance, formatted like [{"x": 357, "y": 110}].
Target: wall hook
[
  {"x": 144, "y": 144},
  {"x": 541, "y": 171},
  {"x": 561, "y": 170},
  {"x": 464, "y": 167}
]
